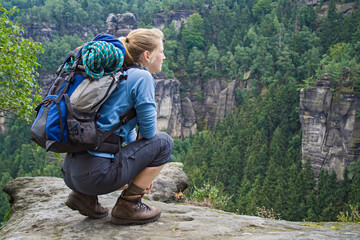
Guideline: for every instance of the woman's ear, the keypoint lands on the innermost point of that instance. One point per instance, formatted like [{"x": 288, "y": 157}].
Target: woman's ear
[{"x": 146, "y": 56}]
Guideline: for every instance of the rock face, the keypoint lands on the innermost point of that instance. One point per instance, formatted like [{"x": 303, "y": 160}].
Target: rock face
[
  {"x": 173, "y": 17},
  {"x": 43, "y": 32},
  {"x": 179, "y": 116},
  {"x": 121, "y": 24},
  {"x": 227, "y": 101},
  {"x": 171, "y": 180},
  {"x": 212, "y": 100},
  {"x": 175, "y": 116},
  {"x": 39, "y": 212},
  {"x": 330, "y": 127}
]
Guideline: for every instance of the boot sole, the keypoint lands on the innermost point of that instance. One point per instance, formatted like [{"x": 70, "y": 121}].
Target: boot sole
[
  {"x": 131, "y": 221},
  {"x": 77, "y": 204}
]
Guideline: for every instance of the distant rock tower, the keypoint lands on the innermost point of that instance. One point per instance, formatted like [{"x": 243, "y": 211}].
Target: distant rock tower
[
  {"x": 121, "y": 24},
  {"x": 330, "y": 127}
]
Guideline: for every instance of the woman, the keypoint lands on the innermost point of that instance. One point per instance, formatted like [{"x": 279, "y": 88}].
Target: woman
[{"x": 90, "y": 174}]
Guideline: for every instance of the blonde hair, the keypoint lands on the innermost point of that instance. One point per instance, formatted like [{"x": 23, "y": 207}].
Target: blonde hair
[{"x": 139, "y": 41}]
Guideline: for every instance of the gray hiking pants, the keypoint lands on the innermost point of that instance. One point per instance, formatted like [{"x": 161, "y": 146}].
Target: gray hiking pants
[{"x": 92, "y": 175}]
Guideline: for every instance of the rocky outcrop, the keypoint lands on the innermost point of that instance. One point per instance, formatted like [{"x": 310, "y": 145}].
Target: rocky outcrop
[
  {"x": 189, "y": 125},
  {"x": 212, "y": 100},
  {"x": 171, "y": 181},
  {"x": 2, "y": 122},
  {"x": 174, "y": 117},
  {"x": 205, "y": 103},
  {"x": 38, "y": 211},
  {"x": 227, "y": 101},
  {"x": 121, "y": 24},
  {"x": 312, "y": 2},
  {"x": 172, "y": 17},
  {"x": 330, "y": 127},
  {"x": 43, "y": 32}
]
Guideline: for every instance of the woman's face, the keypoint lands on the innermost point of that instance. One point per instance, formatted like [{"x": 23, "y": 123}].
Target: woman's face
[{"x": 156, "y": 58}]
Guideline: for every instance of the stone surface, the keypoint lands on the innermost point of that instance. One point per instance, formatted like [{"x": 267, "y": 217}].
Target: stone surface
[
  {"x": 174, "y": 116},
  {"x": 39, "y": 212},
  {"x": 218, "y": 100},
  {"x": 227, "y": 102},
  {"x": 121, "y": 24},
  {"x": 43, "y": 32},
  {"x": 330, "y": 127},
  {"x": 171, "y": 180},
  {"x": 172, "y": 17}
]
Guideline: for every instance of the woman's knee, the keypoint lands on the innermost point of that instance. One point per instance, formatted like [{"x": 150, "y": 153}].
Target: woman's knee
[
  {"x": 166, "y": 140},
  {"x": 166, "y": 147}
]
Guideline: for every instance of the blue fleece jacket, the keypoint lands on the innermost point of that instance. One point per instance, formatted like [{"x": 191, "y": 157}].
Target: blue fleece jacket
[{"x": 137, "y": 91}]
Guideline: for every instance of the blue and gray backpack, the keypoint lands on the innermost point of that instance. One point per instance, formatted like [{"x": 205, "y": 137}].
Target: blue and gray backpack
[{"x": 66, "y": 118}]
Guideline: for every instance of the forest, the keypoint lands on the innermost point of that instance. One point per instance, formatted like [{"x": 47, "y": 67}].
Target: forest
[{"x": 250, "y": 162}]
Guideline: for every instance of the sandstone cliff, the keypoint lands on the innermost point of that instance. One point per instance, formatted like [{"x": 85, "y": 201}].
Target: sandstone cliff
[
  {"x": 330, "y": 126},
  {"x": 38, "y": 212},
  {"x": 175, "y": 115},
  {"x": 177, "y": 18},
  {"x": 121, "y": 24}
]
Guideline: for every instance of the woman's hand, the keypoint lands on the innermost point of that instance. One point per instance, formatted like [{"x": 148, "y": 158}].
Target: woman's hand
[
  {"x": 139, "y": 136},
  {"x": 148, "y": 189}
]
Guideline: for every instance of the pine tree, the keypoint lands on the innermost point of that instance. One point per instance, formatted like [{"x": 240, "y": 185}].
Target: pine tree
[
  {"x": 296, "y": 195},
  {"x": 255, "y": 197},
  {"x": 354, "y": 194},
  {"x": 311, "y": 204},
  {"x": 270, "y": 184}
]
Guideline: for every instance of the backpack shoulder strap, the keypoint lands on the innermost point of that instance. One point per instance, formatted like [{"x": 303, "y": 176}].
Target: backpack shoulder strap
[{"x": 124, "y": 119}]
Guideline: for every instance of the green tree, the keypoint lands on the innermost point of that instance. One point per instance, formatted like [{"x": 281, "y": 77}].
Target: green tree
[
  {"x": 308, "y": 17},
  {"x": 229, "y": 66},
  {"x": 311, "y": 204},
  {"x": 271, "y": 181},
  {"x": 196, "y": 61},
  {"x": 193, "y": 32},
  {"x": 242, "y": 57},
  {"x": 329, "y": 27},
  {"x": 17, "y": 68},
  {"x": 261, "y": 8},
  {"x": 354, "y": 194},
  {"x": 296, "y": 194},
  {"x": 255, "y": 196},
  {"x": 213, "y": 57}
]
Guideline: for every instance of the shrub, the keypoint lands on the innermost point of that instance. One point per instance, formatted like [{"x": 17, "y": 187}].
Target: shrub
[
  {"x": 350, "y": 216},
  {"x": 209, "y": 196}
]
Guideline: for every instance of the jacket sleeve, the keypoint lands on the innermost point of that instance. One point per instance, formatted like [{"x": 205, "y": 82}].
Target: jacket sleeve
[
  {"x": 144, "y": 93},
  {"x": 131, "y": 136}
]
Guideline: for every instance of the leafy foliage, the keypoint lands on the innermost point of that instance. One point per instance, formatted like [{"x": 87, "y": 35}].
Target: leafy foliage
[
  {"x": 17, "y": 68},
  {"x": 208, "y": 196},
  {"x": 350, "y": 216}
]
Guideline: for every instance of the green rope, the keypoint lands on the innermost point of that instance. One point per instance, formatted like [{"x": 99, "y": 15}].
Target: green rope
[{"x": 99, "y": 58}]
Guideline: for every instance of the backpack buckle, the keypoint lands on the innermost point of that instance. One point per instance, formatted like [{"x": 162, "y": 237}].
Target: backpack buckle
[{"x": 47, "y": 102}]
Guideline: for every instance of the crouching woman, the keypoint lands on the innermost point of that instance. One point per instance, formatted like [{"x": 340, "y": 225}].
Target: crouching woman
[{"x": 89, "y": 174}]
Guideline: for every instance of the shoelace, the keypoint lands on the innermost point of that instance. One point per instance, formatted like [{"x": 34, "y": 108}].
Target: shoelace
[{"x": 142, "y": 205}]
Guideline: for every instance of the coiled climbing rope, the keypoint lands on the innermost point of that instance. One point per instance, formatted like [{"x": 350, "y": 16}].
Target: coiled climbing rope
[{"x": 99, "y": 58}]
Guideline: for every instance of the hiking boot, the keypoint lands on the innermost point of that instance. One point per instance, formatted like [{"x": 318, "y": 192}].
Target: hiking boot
[
  {"x": 130, "y": 210},
  {"x": 86, "y": 205}
]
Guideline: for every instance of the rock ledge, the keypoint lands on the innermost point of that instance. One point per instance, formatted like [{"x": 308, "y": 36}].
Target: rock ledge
[{"x": 39, "y": 212}]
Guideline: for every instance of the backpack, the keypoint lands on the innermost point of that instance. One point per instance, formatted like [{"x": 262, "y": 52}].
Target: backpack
[{"x": 66, "y": 118}]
